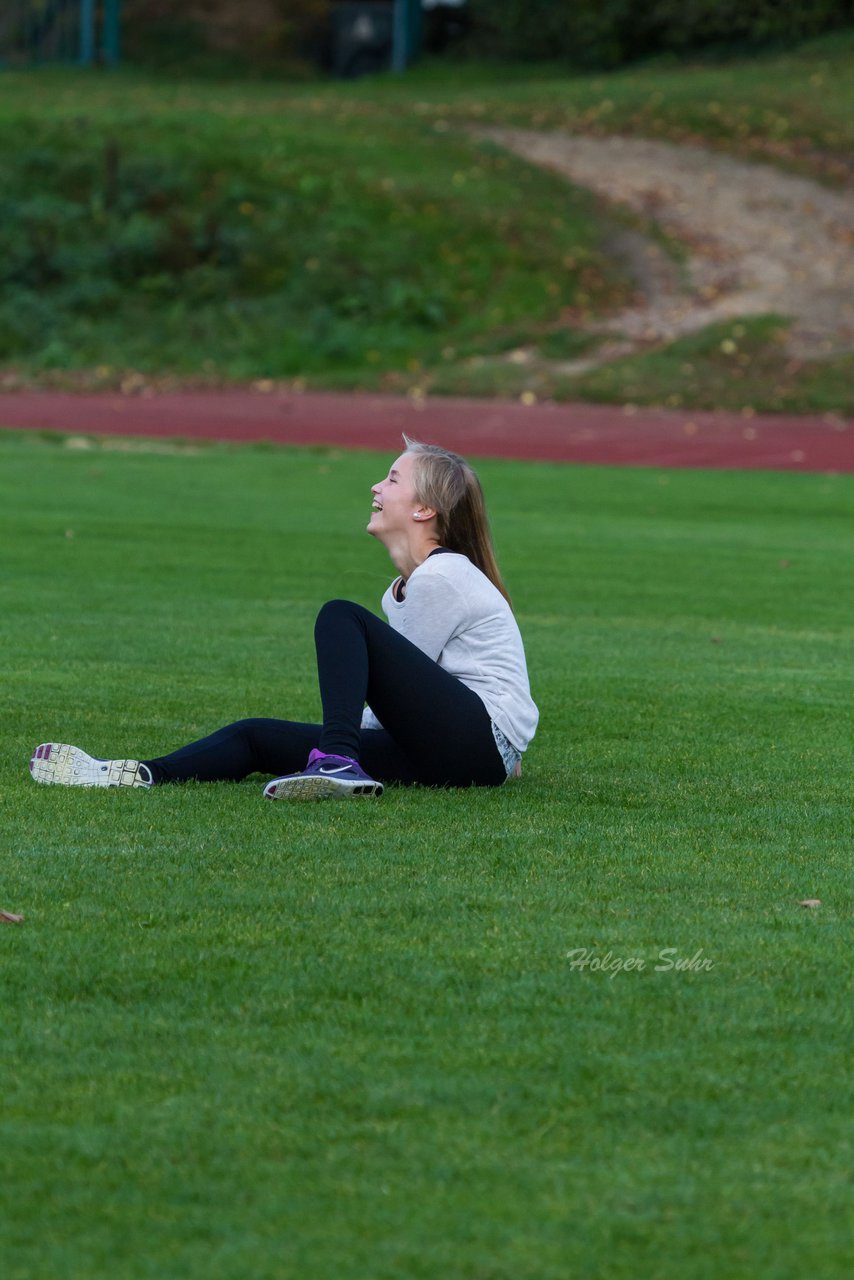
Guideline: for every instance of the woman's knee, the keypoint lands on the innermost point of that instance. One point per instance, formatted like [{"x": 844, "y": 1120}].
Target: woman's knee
[{"x": 335, "y": 611}]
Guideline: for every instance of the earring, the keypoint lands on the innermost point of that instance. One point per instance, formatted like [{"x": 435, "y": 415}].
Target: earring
[{"x": 415, "y": 515}]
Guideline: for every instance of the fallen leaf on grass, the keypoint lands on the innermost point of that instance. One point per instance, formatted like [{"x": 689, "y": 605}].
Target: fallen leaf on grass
[
  {"x": 810, "y": 902},
  {"x": 8, "y": 917}
]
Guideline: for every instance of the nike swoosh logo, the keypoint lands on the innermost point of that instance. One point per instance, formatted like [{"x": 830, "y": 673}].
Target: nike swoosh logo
[{"x": 344, "y": 768}]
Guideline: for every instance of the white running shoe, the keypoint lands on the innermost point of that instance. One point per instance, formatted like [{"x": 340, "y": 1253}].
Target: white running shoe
[{"x": 57, "y": 762}]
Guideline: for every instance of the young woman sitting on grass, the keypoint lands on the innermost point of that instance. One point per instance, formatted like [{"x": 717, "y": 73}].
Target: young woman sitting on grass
[{"x": 445, "y": 680}]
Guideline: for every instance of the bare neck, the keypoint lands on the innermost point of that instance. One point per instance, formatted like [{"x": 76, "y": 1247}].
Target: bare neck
[{"x": 411, "y": 549}]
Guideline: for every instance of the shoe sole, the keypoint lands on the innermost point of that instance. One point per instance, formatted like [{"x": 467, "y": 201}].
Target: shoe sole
[
  {"x": 59, "y": 764},
  {"x": 315, "y": 787}
]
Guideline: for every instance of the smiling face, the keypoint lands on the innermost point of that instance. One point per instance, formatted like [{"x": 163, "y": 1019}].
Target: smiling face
[{"x": 395, "y": 502}]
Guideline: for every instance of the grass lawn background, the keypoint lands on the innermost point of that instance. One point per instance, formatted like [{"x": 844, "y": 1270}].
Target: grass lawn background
[
  {"x": 355, "y": 235},
  {"x": 346, "y": 1041}
]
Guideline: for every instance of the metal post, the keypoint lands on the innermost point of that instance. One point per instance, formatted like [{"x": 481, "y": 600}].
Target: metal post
[
  {"x": 415, "y": 30},
  {"x": 400, "y": 39},
  {"x": 87, "y": 32},
  {"x": 111, "y": 32}
]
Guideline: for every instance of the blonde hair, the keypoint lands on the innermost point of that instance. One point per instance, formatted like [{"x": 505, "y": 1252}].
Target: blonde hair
[{"x": 445, "y": 482}]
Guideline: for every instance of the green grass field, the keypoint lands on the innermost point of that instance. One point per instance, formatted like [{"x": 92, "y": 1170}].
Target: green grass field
[
  {"x": 243, "y": 1039},
  {"x": 357, "y": 235}
]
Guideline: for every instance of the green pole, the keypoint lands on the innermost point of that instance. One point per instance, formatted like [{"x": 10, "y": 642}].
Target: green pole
[
  {"x": 406, "y": 42},
  {"x": 111, "y": 32},
  {"x": 400, "y": 36},
  {"x": 87, "y": 32},
  {"x": 415, "y": 33}
]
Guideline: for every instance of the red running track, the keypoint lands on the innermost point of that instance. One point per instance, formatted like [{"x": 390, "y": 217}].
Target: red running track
[{"x": 486, "y": 428}]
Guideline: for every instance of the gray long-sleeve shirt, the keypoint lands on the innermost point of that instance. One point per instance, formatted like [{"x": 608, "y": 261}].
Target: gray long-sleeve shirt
[{"x": 454, "y": 614}]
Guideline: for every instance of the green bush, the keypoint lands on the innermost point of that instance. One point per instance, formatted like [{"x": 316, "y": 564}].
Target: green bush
[
  {"x": 272, "y": 244},
  {"x": 608, "y": 33}
]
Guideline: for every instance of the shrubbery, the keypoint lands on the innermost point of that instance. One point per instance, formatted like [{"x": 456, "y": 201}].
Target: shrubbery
[
  {"x": 103, "y": 231},
  {"x": 586, "y": 33},
  {"x": 268, "y": 243},
  {"x": 608, "y": 33}
]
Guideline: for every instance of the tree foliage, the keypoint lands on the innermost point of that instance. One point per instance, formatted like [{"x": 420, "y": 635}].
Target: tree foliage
[{"x": 608, "y": 33}]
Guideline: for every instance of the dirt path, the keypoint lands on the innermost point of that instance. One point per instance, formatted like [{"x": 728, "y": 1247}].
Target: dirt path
[
  {"x": 758, "y": 241},
  {"x": 481, "y": 428}
]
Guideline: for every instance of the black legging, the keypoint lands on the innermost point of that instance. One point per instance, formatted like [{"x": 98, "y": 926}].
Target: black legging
[{"x": 436, "y": 730}]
